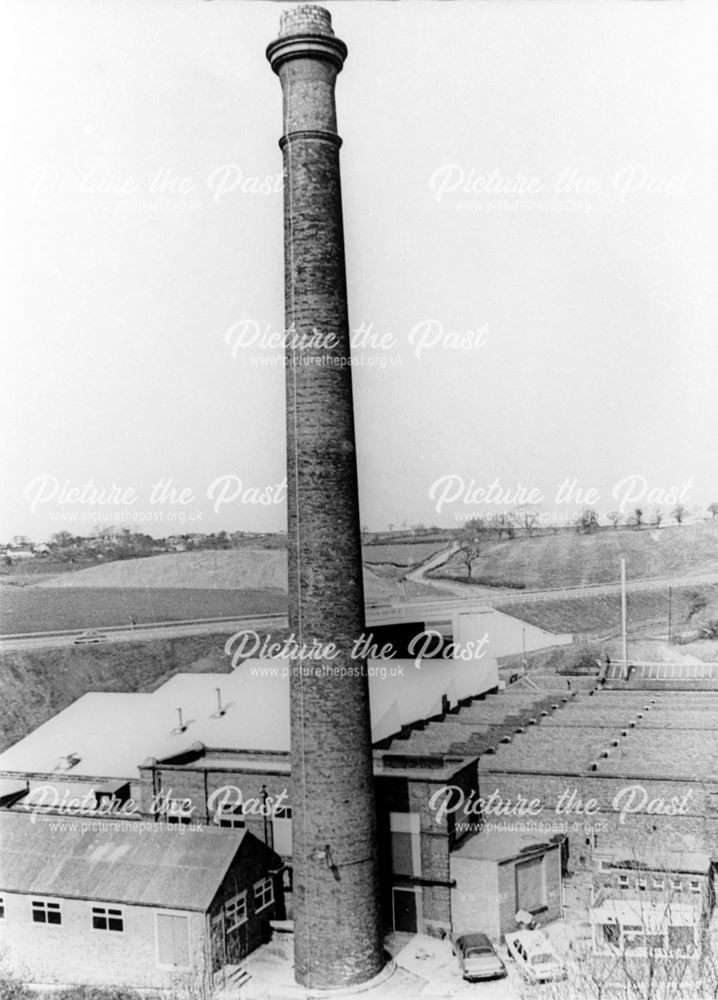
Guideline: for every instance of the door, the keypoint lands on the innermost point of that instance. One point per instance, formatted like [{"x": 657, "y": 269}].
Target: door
[{"x": 406, "y": 908}]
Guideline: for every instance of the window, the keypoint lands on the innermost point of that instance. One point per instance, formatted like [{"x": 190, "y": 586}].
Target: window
[
  {"x": 633, "y": 936},
  {"x": 263, "y": 894},
  {"x": 46, "y": 913},
  {"x": 654, "y": 942},
  {"x": 695, "y": 885},
  {"x": 611, "y": 934},
  {"x": 676, "y": 885},
  {"x": 623, "y": 882},
  {"x": 231, "y": 816},
  {"x": 179, "y": 811},
  {"x": 235, "y": 911},
  {"x": 641, "y": 884},
  {"x": 172, "y": 940},
  {"x": 2, "y": 908},
  {"x": 405, "y": 843},
  {"x": 658, "y": 884},
  {"x": 107, "y": 919},
  {"x": 681, "y": 940}
]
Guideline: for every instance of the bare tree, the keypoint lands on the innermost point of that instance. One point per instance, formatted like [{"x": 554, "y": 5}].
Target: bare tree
[
  {"x": 528, "y": 516},
  {"x": 679, "y": 512},
  {"x": 614, "y": 517},
  {"x": 713, "y": 508},
  {"x": 470, "y": 544},
  {"x": 657, "y": 517}
]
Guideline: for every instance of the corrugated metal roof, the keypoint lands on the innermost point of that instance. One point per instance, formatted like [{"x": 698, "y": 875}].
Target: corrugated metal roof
[{"x": 152, "y": 865}]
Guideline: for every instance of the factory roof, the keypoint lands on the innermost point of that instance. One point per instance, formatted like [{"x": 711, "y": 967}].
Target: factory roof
[
  {"x": 107, "y": 735},
  {"x": 617, "y": 733},
  {"x": 171, "y": 866},
  {"x": 502, "y": 845}
]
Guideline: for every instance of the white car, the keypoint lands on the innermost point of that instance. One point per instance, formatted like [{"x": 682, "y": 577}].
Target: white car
[{"x": 535, "y": 956}]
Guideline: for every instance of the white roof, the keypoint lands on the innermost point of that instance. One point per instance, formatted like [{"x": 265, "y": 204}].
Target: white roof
[{"x": 113, "y": 733}]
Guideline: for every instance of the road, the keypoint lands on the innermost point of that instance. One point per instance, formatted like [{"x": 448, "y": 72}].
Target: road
[
  {"x": 143, "y": 633},
  {"x": 492, "y": 596},
  {"x": 495, "y": 595}
]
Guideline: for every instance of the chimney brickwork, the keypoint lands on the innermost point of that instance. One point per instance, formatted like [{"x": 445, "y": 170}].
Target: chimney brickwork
[{"x": 337, "y": 923}]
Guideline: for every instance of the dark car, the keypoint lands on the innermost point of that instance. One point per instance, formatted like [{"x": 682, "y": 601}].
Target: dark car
[
  {"x": 477, "y": 957},
  {"x": 91, "y": 635}
]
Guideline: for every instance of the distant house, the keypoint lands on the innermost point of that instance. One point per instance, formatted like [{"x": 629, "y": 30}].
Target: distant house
[{"x": 121, "y": 904}]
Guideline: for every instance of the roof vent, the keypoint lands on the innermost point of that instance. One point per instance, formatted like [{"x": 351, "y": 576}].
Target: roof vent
[
  {"x": 220, "y": 711},
  {"x": 181, "y": 728},
  {"x": 69, "y": 761}
]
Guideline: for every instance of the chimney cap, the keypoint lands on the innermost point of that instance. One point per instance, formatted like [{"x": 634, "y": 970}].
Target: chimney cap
[
  {"x": 305, "y": 32},
  {"x": 305, "y": 19}
]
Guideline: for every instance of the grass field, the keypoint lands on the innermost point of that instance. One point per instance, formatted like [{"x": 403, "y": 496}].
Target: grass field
[
  {"x": 569, "y": 559},
  {"x": 601, "y": 613},
  {"x": 36, "y": 609}
]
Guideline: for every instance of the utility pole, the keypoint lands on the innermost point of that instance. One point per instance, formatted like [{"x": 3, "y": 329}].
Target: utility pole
[
  {"x": 669, "y": 615},
  {"x": 623, "y": 619}
]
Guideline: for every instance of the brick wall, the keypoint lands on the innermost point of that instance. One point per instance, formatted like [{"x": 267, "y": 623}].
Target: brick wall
[
  {"x": 336, "y": 895},
  {"x": 697, "y": 830},
  {"x": 74, "y": 953},
  {"x": 252, "y": 864}
]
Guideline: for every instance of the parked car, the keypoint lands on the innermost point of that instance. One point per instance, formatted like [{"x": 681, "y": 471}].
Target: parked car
[
  {"x": 477, "y": 957},
  {"x": 535, "y": 956},
  {"x": 91, "y": 635}
]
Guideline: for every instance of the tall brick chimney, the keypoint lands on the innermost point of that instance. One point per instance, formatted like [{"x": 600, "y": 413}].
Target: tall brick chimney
[{"x": 337, "y": 922}]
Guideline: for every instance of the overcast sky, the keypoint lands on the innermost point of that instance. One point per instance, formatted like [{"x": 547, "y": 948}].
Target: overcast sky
[{"x": 143, "y": 229}]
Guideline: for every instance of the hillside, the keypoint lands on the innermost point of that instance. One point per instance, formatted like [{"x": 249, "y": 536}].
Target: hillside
[
  {"x": 231, "y": 569},
  {"x": 34, "y": 685},
  {"x": 568, "y": 559}
]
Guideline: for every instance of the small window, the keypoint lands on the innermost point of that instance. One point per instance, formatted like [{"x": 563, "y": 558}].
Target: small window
[
  {"x": 232, "y": 817},
  {"x": 107, "y": 919},
  {"x": 641, "y": 884},
  {"x": 235, "y": 911},
  {"x": 282, "y": 812},
  {"x": 623, "y": 881},
  {"x": 178, "y": 812},
  {"x": 46, "y": 913},
  {"x": 658, "y": 885},
  {"x": 2, "y": 908},
  {"x": 611, "y": 934},
  {"x": 676, "y": 885},
  {"x": 695, "y": 885},
  {"x": 263, "y": 894}
]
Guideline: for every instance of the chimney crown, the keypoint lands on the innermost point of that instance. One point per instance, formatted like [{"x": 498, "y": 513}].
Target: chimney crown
[{"x": 305, "y": 19}]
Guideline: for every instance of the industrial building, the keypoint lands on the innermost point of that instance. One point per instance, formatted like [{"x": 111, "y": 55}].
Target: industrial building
[{"x": 120, "y": 904}]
